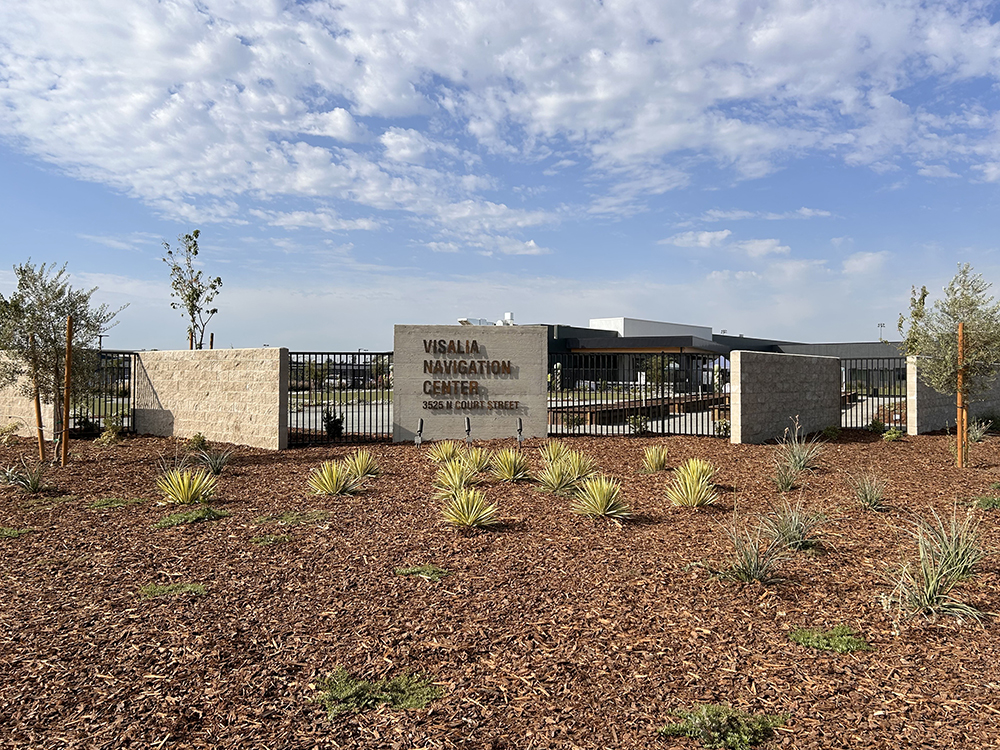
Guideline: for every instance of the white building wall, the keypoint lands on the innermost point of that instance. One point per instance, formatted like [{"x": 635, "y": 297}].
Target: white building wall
[{"x": 639, "y": 327}]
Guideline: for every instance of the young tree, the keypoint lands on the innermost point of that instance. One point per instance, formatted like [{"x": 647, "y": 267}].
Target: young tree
[
  {"x": 932, "y": 334},
  {"x": 193, "y": 292},
  {"x": 33, "y": 331}
]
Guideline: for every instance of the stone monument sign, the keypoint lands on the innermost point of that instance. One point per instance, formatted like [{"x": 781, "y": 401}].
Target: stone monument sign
[{"x": 491, "y": 374}]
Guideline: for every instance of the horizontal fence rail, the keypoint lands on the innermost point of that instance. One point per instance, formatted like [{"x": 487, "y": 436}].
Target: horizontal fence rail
[
  {"x": 632, "y": 393},
  {"x": 873, "y": 389},
  {"x": 107, "y": 393},
  {"x": 339, "y": 397}
]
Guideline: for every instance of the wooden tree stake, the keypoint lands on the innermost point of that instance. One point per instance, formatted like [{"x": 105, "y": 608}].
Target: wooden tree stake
[
  {"x": 64, "y": 443},
  {"x": 961, "y": 417},
  {"x": 38, "y": 400}
]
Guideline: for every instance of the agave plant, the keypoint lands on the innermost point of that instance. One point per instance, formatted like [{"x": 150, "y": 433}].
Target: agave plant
[
  {"x": 214, "y": 460},
  {"x": 798, "y": 453},
  {"x": 452, "y": 478},
  {"x": 477, "y": 459},
  {"x": 654, "y": 458},
  {"x": 792, "y": 525},
  {"x": 445, "y": 451},
  {"x": 755, "y": 557},
  {"x": 333, "y": 478},
  {"x": 510, "y": 465},
  {"x": 955, "y": 545},
  {"x": 600, "y": 496},
  {"x": 468, "y": 509},
  {"x": 557, "y": 477},
  {"x": 552, "y": 451},
  {"x": 362, "y": 464},
  {"x": 182, "y": 487},
  {"x": 868, "y": 489}
]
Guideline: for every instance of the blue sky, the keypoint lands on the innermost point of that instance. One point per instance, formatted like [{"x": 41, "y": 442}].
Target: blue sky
[{"x": 779, "y": 169}]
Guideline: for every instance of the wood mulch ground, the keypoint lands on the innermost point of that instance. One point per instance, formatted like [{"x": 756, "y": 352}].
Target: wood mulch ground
[{"x": 552, "y": 632}]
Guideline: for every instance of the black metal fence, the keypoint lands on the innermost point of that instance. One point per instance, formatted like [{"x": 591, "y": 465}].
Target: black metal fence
[
  {"x": 108, "y": 393},
  {"x": 339, "y": 397},
  {"x": 873, "y": 389},
  {"x": 632, "y": 393}
]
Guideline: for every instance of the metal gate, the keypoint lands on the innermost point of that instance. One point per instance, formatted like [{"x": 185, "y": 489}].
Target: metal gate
[
  {"x": 339, "y": 397},
  {"x": 873, "y": 388},
  {"x": 620, "y": 394},
  {"x": 108, "y": 392}
]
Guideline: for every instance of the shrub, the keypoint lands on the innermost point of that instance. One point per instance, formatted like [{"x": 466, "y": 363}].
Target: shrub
[
  {"x": 453, "y": 477},
  {"x": 428, "y": 572},
  {"x": 831, "y": 433},
  {"x": 333, "y": 478},
  {"x": 196, "y": 442},
  {"x": 654, "y": 458},
  {"x": 552, "y": 451},
  {"x": 154, "y": 590},
  {"x": 8, "y": 433},
  {"x": 987, "y": 502},
  {"x": 198, "y": 515},
  {"x": 639, "y": 424},
  {"x": 753, "y": 558},
  {"x": 510, "y": 465},
  {"x": 468, "y": 509},
  {"x": 792, "y": 526},
  {"x": 892, "y": 435},
  {"x": 841, "y": 639},
  {"x": 341, "y": 693},
  {"x": 112, "y": 433},
  {"x": 556, "y": 478},
  {"x": 722, "y": 428},
  {"x": 868, "y": 489},
  {"x": 29, "y": 478},
  {"x": 692, "y": 484},
  {"x": 333, "y": 425},
  {"x": 877, "y": 426},
  {"x": 978, "y": 429},
  {"x": 795, "y": 451},
  {"x": 718, "y": 726},
  {"x": 182, "y": 487},
  {"x": 363, "y": 464},
  {"x": 477, "y": 459},
  {"x": 600, "y": 496},
  {"x": 215, "y": 461},
  {"x": 926, "y": 589},
  {"x": 445, "y": 451}
]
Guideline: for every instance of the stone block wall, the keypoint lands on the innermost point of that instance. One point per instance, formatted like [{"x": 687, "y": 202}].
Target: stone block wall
[
  {"x": 927, "y": 410},
  {"x": 230, "y": 395},
  {"x": 14, "y": 406},
  {"x": 769, "y": 390}
]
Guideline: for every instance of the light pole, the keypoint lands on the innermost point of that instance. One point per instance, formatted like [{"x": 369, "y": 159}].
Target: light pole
[{"x": 881, "y": 327}]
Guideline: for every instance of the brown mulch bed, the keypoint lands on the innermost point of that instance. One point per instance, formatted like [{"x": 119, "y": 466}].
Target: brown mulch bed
[{"x": 553, "y": 631}]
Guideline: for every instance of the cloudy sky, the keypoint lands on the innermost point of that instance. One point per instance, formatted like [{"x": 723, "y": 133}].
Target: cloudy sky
[{"x": 781, "y": 169}]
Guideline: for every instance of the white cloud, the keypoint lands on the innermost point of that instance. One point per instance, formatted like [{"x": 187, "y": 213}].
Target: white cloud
[
  {"x": 760, "y": 248},
  {"x": 325, "y": 220},
  {"x": 936, "y": 170},
  {"x": 697, "y": 239},
  {"x": 715, "y": 214},
  {"x": 865, "y": 263}
]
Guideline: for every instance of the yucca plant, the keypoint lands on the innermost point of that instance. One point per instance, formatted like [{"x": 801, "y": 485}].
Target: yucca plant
[
  {"x": 362, "y": 464},
  {"x": 468, "y": 509},
  {"x": 552, "y": 451},
  {"x": 557, "y": 478},
  {"x": 868, "y": 489},
  {"x": 654, "y": 458},
  {"x": 798, "y": 453},
  {"x": 785, "y": 476},
  {"x": 955, "y": 545},
  {"x": 215, "y": 461},
  {"x": 333, "y": 478},
  {"x": 510, "y": 465},
  {"x": 792, "y": 525},
  {"x": 600, "y": 496},
  {"x": 453, "y": 477},
  {"x": 477, "y": 459},
  {"x": 183, "y": 487},
  {"x": 579, "y": 465},
  {"x": 755, "y": 557},
  {"x": 445, "y": 451},
  {"x": 692, "y": 485}
]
